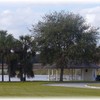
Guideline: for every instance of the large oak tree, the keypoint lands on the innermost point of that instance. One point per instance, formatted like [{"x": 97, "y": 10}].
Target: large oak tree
[{"x": 65, "y": 38}]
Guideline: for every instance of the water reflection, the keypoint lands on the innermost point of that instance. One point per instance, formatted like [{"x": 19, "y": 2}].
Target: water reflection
[{"x": 36, "y": 78}]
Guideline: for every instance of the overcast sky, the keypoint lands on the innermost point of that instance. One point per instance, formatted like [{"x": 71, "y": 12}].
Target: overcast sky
[{"x": 17, "y": 16}]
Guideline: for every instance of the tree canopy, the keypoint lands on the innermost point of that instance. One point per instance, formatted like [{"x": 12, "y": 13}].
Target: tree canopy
[
  {"x": 14, "y": 51},
  {"x": 61, "y": 38},
  {"x": 65, "y": 38}
]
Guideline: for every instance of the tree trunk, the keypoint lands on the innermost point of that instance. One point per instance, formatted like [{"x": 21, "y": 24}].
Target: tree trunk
[
  {"x": 2, "y": 68},
  {"x": 24, "y": 77},
  {"x": 9, "y": 72},
  {"x": 61, "y": 74},
  {"x": 20, "y": 73}
]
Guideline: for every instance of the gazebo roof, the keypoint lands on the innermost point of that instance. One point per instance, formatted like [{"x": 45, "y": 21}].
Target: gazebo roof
[
  {"x": 81, "y": 66},
  {"x": 72, "y": 66}
]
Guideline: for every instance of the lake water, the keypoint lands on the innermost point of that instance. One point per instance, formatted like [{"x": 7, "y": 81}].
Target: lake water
[
  {"x": 39, "y": 78},
  {"x": 36, "y": 78}
]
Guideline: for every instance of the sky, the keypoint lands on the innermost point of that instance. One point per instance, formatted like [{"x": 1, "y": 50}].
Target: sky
[{"x": 18, "y": 16}]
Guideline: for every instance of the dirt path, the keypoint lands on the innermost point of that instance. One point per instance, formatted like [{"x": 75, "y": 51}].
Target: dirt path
[{"x": 76, "y": 85}]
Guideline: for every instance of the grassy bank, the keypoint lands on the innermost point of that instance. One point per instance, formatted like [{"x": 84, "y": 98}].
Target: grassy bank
[
  {"x": 96, "y": 85},
  {"x": 38, "y": 89}
]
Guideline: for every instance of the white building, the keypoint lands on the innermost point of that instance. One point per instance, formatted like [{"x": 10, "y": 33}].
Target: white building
[{"x": 87, "y": 73}]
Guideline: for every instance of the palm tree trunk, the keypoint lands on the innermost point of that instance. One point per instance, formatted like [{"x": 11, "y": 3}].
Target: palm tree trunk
[
  {"x": 24, "y": 77},
  {"x": 2, "y": 68},
  {"x": 9, "y": 72}
]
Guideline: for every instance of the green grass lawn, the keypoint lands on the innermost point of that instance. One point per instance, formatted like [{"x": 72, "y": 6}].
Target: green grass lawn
[
  {"x": 96, "y": 85},
  {"x": 38, "y": 89}
]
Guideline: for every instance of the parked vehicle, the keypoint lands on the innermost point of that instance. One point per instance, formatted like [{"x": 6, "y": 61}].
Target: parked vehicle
[{"x": 98, "y": 78}]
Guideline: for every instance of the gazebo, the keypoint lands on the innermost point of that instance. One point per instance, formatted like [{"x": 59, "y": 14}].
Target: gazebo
[{"x": 88, "y": 72}]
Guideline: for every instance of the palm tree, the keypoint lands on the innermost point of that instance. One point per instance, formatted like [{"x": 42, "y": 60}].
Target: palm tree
[
  {"x": 26, "y": 50},
  {"x": 6, "y": 43},
  {"x": 3, "y": 35},
  {"x": 10, "y": 42}
]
